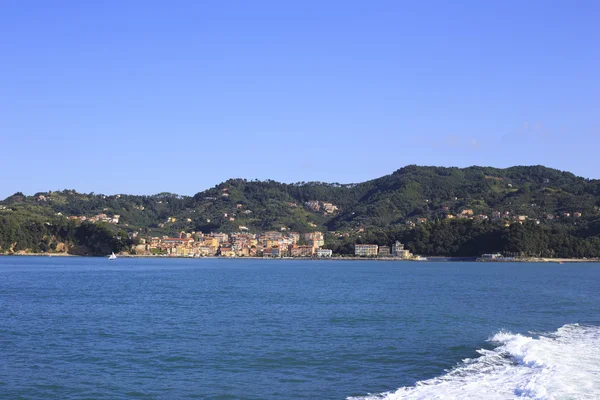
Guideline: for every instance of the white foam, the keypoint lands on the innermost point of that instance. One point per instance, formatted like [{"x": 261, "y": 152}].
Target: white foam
[{"x": 554, "y": 366}]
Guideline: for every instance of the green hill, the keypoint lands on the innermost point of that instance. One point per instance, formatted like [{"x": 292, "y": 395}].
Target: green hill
[{"x": 390, "y": 204}]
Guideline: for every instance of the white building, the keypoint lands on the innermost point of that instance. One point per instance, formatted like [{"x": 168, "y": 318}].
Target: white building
[
  {"x": 365, "y": 250},
  {"x": 397, "y": 248},
  {"x": 324, "y": 252}
]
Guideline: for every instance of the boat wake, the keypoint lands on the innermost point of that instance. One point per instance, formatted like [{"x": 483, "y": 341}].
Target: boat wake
[{"x": 560, "y": 365}]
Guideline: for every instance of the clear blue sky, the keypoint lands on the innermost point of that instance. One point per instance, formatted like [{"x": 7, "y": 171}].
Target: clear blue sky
[{"x": 147, "y": 96}]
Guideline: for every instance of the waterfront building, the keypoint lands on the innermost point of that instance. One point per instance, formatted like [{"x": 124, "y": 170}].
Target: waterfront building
[
  {"x": 397, "y": 248},
  {"x": 301, "y": 251},
  {"x": 365, "y": 250},
  {"x": 384, "y": 251},
  {"x": 324, "y": 253},
  {"x": 276, "y": 252}
]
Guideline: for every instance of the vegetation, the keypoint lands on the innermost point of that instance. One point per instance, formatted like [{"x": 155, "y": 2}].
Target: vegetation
[
  {"x": 472, "y": 238},
  {"x": 375, "y": 211},
  {"x": 25, "y": 232}
]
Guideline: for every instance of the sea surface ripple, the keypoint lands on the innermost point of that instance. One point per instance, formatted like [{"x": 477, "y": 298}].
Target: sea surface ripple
[{"x": 74, "y": 328}]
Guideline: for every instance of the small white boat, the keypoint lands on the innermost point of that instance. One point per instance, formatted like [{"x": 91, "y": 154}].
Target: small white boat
[{"x": 112, "y": 256}]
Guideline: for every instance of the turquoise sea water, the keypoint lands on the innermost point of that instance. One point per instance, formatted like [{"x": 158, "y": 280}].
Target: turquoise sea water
[{"x": 74, "y": 328}]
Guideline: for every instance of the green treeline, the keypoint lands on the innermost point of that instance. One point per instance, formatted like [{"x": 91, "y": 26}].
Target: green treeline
[
  {"x": 560, "y": 213},
  {"x": 29, "y": 233},
  {"x": 472, "y": 238}
]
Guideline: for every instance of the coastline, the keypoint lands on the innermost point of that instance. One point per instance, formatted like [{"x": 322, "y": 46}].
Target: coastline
[
  {"x": 351, "y": 258},
  {"x": 41, "y": 255}
]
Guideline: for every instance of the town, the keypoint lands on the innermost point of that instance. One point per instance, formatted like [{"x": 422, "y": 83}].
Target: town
[
  {"x": 270, "y": 244},
  {"x": 268, "y": 219},
  {"x": 286, "y": 244}
]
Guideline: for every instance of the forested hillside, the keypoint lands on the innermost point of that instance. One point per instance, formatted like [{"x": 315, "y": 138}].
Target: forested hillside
[{"x": 435, "y": 210}]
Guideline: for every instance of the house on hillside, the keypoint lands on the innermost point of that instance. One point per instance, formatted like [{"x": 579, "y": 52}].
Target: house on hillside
[{"x": 312, "y": 205}]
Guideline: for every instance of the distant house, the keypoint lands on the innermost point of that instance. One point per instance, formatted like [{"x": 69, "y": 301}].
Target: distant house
[
  {"x": 316, "y": 239},
  {"x": 226, "y": 251},
  {"x": 221, "y": 237},
  {"x": 177, "y": 241},
  {"x": 384, "y": 251},
  {"x": 324, "y": 253},
  {"x": 399, "y": 251},
  {"x": 397, "y": 247},
  {"x": 294, "y": 237},
  {"x": 365, "y": 250},
  {"x": 330, "y": 208},
  {"x": 276, "y": 252},
  {"x": 301, "y": 251},
  {"x": 205, "y": 251},
  {"x": 312, "y": 205},
  {"x": 577, "y": 215}
]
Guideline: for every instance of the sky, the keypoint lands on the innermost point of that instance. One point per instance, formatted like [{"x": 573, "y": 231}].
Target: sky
[{"x": 147, "y": 96}]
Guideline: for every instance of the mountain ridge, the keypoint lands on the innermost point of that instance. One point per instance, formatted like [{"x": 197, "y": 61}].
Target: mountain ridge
[
  {"x": 331, "y": 183},
  {"x": 411, "y": 191},
  {"x": 412, "y": 196}
]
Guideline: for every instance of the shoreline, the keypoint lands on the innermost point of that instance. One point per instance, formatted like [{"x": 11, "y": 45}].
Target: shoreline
[{"x": 352, "y": 258}]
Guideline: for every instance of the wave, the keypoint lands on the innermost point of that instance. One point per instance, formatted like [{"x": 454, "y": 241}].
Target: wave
[{"x": 552, "y": 366}]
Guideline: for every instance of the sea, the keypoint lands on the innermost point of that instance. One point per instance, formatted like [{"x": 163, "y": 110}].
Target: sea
[{"x": 156, "y": 328}]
